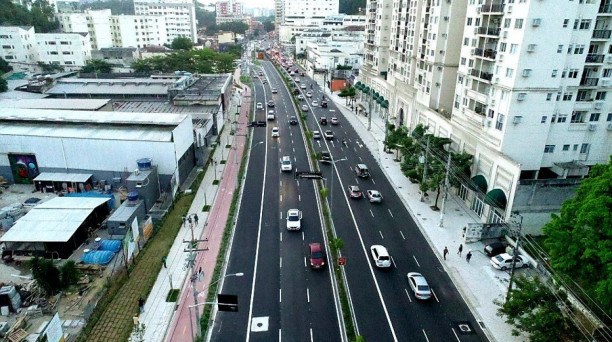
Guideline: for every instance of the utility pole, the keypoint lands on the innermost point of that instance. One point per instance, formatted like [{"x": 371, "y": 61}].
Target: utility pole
[
  {"x": 370, "y": 109},
  {"x": 191, "y": 258},
  {"x": 446, "y": 186},
  {"x": 424, "y": 170},
  {"x": 514, "y": 250}
]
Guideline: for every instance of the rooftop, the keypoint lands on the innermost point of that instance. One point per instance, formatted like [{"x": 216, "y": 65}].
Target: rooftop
[{"x": 72, "y": 104}]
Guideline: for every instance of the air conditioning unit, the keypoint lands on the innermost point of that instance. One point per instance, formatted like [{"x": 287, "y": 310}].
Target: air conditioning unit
[
  {"x": 598, "y": 105},
  {"x": 517, "y": 119},
  {"x": 492, "y": 102},
  {"x": 536, "y": 22},
  {"x": 472, "y": 52},
  {"x": 500, "y": 57},
  {"x": 509, "y": 9},
  {"x": 592, "y": 127}
]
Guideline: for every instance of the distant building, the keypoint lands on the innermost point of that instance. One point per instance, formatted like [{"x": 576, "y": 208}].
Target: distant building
[
  {"x": 139, "y": 30},
  {"x": 179, "y": 15},
  {"x": 18, "y": 46},
  {"x": 94, "y": 22}
]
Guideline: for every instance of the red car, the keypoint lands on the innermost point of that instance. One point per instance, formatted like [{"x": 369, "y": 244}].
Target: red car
[
  {"x": 317, "y": 255},
  {"x": 354, "y": 191}
]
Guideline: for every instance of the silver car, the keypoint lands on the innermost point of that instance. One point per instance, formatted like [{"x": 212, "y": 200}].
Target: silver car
[
  {"x": 374, "y": 196},
  {"x": 419, "y": 285}
]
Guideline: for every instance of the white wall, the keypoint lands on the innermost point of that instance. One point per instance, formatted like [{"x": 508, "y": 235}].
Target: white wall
[
  {"x": 18, "y": 45},
  {"x": 70, "y": 50}
]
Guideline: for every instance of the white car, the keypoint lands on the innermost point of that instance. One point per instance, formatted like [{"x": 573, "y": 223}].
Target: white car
[
  {"x": 308, "y": 94},
  {"x": 419, "y": 285},
  {"x": 275, "y": 133},
  {"x": 303, "y": 86},
  {"x": 316, "y": 135},
  {"x": 294, "y": 219},
  {"x": 504, "y": 261},
  {"x": 374, "y": 196},
  {"x": 274, "y": 90},
  {"x": 381, "y": 256},
  {"x": 259, "y": 105},
  {"x": 286, "y": 164},
  {"x": 315, "y": 103},
  {"x": 329, "y": 135},
  {"x": 304, "y": 108},
  {"x": 271, "y": 115}
]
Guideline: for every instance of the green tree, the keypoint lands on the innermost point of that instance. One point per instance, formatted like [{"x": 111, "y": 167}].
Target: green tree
[
  {"x": 49, "y": 68},
  {"x": 116, "y": 6},
  {"x": 69, "y": 274},
  {"x": 47, "y": 276},
  {"x": 268, "y": 25},
  {"x": 98, "y": 66},
  {"x": 533, "y": 308},
  {"x": 40, "y": 15},
  {"x": 181, "y": 43},
  {"x": 225, "y": 63},
  {"x": 3, "y": 85},
  {"x": 579, "y": 239},
  {"x": 234, "y": 50},
  {"x": 234, "y": 26},
  {"x": 204, "y": 17},
  {"x": 4, "y": 66},
  {"x": 142, "y": 65}
]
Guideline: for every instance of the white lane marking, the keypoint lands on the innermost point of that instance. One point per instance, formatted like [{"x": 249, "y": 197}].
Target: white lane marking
[
  {"x": 436, "y": 297},
  {"x": 390, "y": 213},
  {"x": 279, "y": 335},
  {"x": 454, "y": 332},
  {"x": 281, "y": 236},
  {"x": 281, "y": 184},
  {"x": 281, "y": 262},
  {"x": 299, "y": 198},
  {"x": 360, "y": 159},
  {"x": 311, "y": 336},
  {"x": 294, "y": 157},
  {"x": 302, "y": 235},
  {"x": 280, "y": 295},
  {"x": 393, "y": 261},
  {"x": 281, "y": 198},
  {"x": 381, "y": 236},
  {"x": 371, "y": 213},
  {"x": 294, "y": 153},
  {"x": 373, "y": 181},
  {"x": 425, "y": 335},
  {"x": 354, "y": 149},
  {"x": 305, "y": 264},
  {"x": 308, "y": 294},
  {"x": 415, "y": 260},
  {"x": 281, "y": 215},
  {"x": 402, "y": 234},
  {"x": 408, "y": 295},
  {"x": 298, "y": 183}
]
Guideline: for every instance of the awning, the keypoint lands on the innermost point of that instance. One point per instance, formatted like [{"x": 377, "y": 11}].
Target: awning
[
  {"x": 478, "y": 183},
  {"x": 496, "y": 198}
]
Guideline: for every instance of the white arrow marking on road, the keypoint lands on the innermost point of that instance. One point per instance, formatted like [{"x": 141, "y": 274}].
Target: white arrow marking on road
[
  {"x": 408, "y": 295},
  {"x": 402, "y": 234},
  {"x": 373, "y": 181},
  {"x": 415, "y": 260}
]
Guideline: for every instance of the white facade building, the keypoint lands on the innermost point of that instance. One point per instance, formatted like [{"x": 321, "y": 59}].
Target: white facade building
[
  {"x": 138, "y": 30},
  {"x": 70, "y": 50},
  {"x": 94, "y": 22},
  {"x": 310, "y": 8},
  {"x": 179, "y": 15},
  {"x": 293, "y": 27},
  {"x": 18, "y": 46},
  {"x": 521, "y": 86}
]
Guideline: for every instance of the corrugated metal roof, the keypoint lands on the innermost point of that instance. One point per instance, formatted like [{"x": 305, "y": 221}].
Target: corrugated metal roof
[
  {"x": 68, "y": 104},
  {"x": 53, "y": 221},
  {"x": 85, "y": 117},
  {"x": 111, "y": 89},
  {"x": 161, "y": 107},
  {"x": 62, "y": 177}
]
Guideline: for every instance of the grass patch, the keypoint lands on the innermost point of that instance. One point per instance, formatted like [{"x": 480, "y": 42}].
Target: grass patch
[
  {"x": 215, "y": 182},
  {"x": 172, "y": 295},
  {"x": 206, "y": 208}
]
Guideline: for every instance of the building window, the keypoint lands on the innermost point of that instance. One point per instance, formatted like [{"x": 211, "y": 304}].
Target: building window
[
  {"x": 554, "y": 73},
  {"x": 499, "y": 124},
  {"x": 509, "y": 72},
  {"x": 577, "y": 117},
  {"x": 562, "y": 118},
  {"x": 584, "y": 148},
  {"x": 549, "y": 148},
  {"x": 507, "y": 23},
  {"x": 573, "y": 73},
  {"x": 513, "y": 48},
  {"x": 600, "y": 95},
  {"x": 518, "y": 24},
  {"x": 607, "y": 73},
  {"x": 548, "y": 96},
  {"x": 567, "y": 96},
  {"x": 566, "y": 147},
  {"x": 544, "y": 118},
  {"x": 559, "y": 48},
  {"x": 565, "y": 22},
  {"x": 609, "y": 117},
  {"x": 578, "y": 49},
  {"x": 594, "y": 117},
  {"x": 585, "y": 24}
]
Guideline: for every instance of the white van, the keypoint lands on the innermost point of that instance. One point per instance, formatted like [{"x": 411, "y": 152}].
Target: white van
[{"x": 381, "y": 256}]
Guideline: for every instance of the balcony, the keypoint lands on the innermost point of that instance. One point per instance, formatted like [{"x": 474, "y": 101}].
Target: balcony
[
  {"x": 605, "y": 9},
  {"x": 492, "y": 9},
  {"x": 485, "y": 53},
  {"x": 594, "y": 58},
  {"x": 589, "y": 81},
  {"x": 601, "y": 34},
  {"x": 489, "y": 31},
  {"x": 487, "y": 76}
]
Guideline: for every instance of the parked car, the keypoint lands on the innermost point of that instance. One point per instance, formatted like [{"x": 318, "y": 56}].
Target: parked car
[
  {"x": 297, "y": 80},
  {"x": 381, "y": 256},
  {"x": 293, "y": 120},
  {"x": 354, "y": 191},
  {"x": 300, "y": 97},
  {"x": 294, "y": 219},
  {"x": 334, "y": 120},
  {"x": 323, "y": 120},
  {"x": 504, "y": 261},
  {"x": 329, "y": 135},
  {"x": 316, "y": 255},
  {"x": 374, "y": 196},
  {"x": 303, "y": 86},
  {"x": 494, "y": 249},
  {"x": 419, "y": 285}
]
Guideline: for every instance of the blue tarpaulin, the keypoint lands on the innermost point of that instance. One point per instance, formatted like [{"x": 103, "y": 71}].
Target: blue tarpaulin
[
  {"x": 97, "y": 257},
  {"x": 110, "y": 245}
]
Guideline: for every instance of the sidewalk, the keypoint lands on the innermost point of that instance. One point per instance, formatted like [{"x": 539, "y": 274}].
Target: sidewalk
[
  {"x": 172, "y": 321},
  {"x": 477, "y": 281}
]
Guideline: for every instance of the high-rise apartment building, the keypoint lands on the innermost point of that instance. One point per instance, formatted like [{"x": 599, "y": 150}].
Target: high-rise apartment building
[
  {"x": 291, "y": 15},
  {"x": 18, "y": 44},
  {"x": 138, "y": 30},
  {"x": 179, "y": 15},
  {"x": 521, "y": 85},
  {"x": 94, "y": 22}
]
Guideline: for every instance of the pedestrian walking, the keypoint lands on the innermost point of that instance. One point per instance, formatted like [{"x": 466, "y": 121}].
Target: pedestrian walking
[
  {"x": 460, "y": 250},
  {"x": 445, "y": 252},
  {"x": 189, "y": 220},
  {"x": 195, "y": 218},
  {"x": 468, "y": 256},
  {"x": 141, "y": 303}
]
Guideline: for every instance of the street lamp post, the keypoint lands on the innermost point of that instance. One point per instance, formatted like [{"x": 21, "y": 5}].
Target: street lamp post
[{"x": 196, "y": 304}]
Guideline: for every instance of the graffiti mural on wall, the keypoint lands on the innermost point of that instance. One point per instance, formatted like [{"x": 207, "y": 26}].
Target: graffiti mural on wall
[{"x": 24, "y": 167}]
